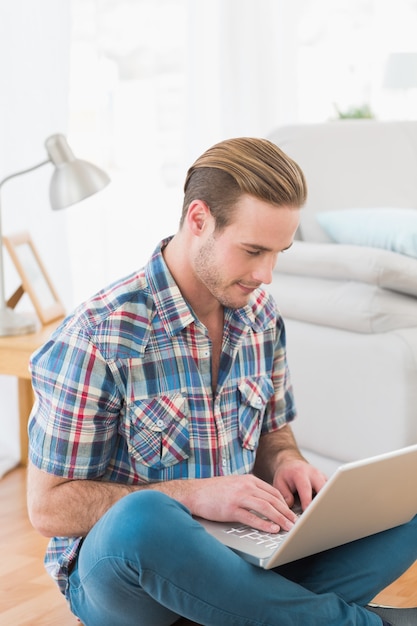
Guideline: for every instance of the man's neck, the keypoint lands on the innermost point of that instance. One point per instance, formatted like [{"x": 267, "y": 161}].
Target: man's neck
[{"x": 208, "y": 310}]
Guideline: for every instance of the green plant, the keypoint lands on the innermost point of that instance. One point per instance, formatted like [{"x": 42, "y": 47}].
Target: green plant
[{"x": 363, "y": 111}]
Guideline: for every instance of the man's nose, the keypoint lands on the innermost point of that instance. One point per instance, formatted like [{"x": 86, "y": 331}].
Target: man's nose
[{"x": 264, "y": 270}]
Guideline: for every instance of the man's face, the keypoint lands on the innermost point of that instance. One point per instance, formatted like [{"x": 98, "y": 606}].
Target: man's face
[{"x": 232, "y": 263}]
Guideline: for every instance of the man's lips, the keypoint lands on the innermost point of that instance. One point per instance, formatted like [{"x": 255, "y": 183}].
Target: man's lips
[{"x": 247, "y": 288}]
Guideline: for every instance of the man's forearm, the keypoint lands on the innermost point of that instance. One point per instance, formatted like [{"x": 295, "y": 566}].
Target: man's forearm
[
  {"x": 273, "y": 448},
  {"x": 70, "y": 508}
]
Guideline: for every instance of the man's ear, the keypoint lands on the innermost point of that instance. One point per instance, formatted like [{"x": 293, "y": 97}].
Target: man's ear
[{"x": 198, "y": 217}]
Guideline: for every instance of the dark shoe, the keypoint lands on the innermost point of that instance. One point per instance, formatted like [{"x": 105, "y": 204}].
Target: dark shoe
[{"x": 396, "y": 617}]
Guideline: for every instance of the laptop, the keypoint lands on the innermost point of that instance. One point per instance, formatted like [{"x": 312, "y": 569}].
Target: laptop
[{"x": 360, "y": 499}]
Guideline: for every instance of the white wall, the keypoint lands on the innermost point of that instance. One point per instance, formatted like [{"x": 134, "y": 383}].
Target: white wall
[
  {"x": 34, "y": 71},
  {"x": 151, "y": 104}
]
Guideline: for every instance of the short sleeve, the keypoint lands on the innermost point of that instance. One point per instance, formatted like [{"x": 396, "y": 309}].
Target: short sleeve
[{"x": 73, "y": 424}]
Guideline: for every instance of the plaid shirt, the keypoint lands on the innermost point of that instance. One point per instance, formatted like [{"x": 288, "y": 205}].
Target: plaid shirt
[{"x": 123, "y": 391}]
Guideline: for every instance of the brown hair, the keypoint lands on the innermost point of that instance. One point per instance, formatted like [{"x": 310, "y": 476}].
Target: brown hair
[{"x": 240, "y": 166}]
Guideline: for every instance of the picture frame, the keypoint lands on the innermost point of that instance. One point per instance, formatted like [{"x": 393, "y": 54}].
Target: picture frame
[{"x": 35, "y": 279}]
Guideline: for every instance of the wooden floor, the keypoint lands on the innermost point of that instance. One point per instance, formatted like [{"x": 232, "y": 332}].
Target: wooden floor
[{"x": 29, "y": 598}]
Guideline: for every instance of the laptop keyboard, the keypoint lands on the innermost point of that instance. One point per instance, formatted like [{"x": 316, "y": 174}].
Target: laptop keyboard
[{"x": 268, "y": 540}]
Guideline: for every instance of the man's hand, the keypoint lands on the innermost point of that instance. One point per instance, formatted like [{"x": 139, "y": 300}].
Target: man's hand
[
  {"x": 296, "y": 476},
  {"x": 245, "y": 499},
  {"x": 280, "y": 462}
]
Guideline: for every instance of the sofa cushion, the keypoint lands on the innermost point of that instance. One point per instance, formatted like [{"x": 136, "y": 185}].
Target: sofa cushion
[
  {"x": 374, "y": 266},
  {"x": 388, "y": 228},
  {"x": 348, "y": 305},
  {"x": 356, "y": 288}
]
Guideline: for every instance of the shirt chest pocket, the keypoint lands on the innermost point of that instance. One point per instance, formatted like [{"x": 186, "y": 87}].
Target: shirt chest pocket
[
  {"x": 254, "y": 396},
  {"x": 159, "y": 430}
]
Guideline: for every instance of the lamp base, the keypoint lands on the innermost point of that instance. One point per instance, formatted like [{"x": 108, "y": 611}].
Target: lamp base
[{"x": 12, "y": 323}]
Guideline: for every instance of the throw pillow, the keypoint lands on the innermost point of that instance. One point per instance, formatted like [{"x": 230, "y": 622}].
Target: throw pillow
[{"x": 388, "y": 228}]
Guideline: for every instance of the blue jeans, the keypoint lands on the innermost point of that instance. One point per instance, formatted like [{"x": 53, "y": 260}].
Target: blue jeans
[{"x": 147, "y": 561}]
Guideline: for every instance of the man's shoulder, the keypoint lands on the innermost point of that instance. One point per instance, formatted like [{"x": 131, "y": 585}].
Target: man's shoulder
[
  {"x": 117, "y": 319},
  {"x": 115, "y": 298}
]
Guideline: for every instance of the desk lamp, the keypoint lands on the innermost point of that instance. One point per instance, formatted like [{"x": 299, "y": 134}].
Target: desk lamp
[{"x": 72, "y": 181}]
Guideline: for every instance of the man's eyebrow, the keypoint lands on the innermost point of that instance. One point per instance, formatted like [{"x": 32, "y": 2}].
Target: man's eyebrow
[{"x": 260, "y": 248}]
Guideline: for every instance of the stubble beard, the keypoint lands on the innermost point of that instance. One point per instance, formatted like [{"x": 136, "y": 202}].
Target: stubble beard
[{"x": 210, "y": 275}]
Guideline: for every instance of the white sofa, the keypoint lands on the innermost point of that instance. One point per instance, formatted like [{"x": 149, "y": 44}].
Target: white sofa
[{"x": 351, "y": 310}]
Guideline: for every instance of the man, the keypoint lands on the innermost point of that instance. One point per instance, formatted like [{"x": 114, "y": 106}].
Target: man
[{"x": 167, "y": 396}]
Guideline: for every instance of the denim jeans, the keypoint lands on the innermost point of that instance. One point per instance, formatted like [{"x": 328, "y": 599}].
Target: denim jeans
[{"x": 147, "y": 561}]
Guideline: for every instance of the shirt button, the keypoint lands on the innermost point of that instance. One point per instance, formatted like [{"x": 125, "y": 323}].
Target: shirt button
[
  {"x": 206, "y": 353},
  {"x": 259, "y": 400},
  {"x": 224, "y": 462},
  {"x": 160, "y": 423}
]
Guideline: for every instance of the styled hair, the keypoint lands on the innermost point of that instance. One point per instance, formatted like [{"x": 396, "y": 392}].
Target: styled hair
[{"x": 245, "y": 165}]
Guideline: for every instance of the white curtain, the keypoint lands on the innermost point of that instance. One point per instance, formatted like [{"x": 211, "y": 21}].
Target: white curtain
[
  {"x": 173, "y": 78},
  {"x": 241, "y": 69}
]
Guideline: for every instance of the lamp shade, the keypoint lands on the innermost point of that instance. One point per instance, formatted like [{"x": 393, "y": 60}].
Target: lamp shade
[{"x": 73, "y": 179}]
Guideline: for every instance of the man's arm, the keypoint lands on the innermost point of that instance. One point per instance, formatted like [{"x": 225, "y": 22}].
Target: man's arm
[
  {"x": 70, "y": 508},
  {"x": 62, "y": 507},
  {"x": 280, "y": 462}
]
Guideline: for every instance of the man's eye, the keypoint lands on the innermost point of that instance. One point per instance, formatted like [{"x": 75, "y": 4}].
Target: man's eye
[{"x": 253, "y": 252}]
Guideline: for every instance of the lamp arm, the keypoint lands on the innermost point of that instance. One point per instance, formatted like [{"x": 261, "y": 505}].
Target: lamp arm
[
  {"x": 26, "y": 171},
  {"x": 2, "y": 182}
]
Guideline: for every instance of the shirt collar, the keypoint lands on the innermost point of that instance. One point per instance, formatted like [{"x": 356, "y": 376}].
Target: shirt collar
[
  {"x": 169, "y": 303},
  {"x": 177, "y": 314}
]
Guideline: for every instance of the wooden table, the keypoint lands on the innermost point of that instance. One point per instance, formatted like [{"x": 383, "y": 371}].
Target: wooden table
[{"x": 14, "y": 361}]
